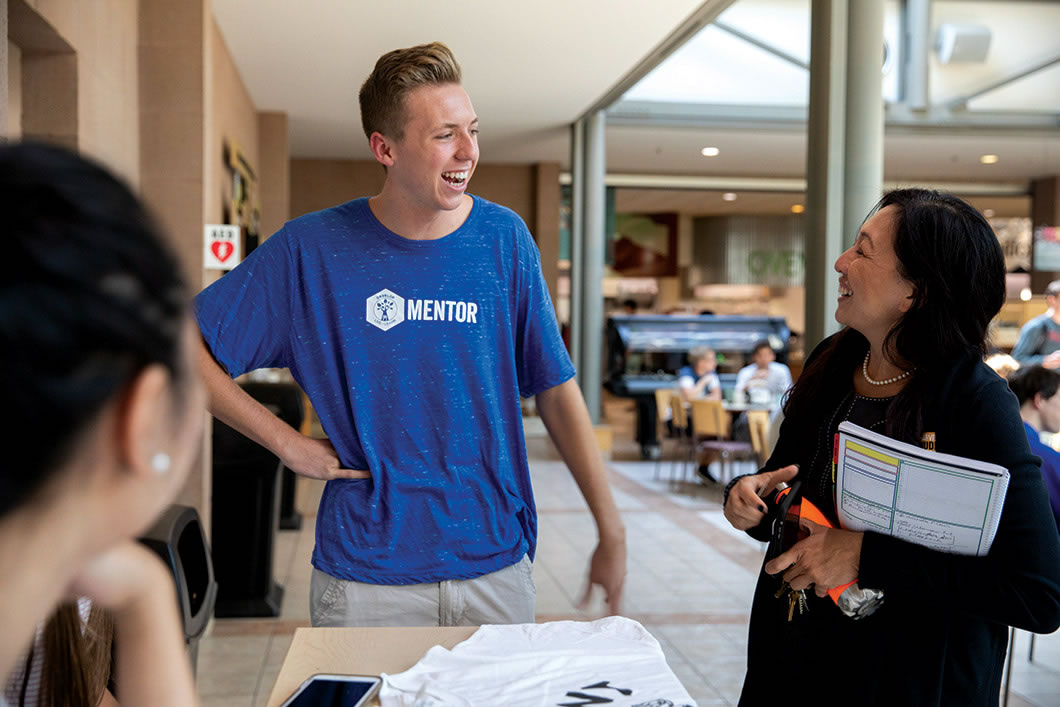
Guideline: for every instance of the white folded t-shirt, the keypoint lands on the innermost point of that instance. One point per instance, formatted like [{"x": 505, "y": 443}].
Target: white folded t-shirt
[{"x": 612, "y": 661}]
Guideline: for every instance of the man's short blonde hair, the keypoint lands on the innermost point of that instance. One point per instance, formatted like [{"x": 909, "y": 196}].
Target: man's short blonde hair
[
  {"x": 699, "y": 353},
  {"x": 395, "y": 75}
]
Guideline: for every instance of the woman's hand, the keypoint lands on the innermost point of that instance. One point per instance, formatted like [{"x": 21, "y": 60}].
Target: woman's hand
[
  {"x": 828, "y": 557},
  {"x": 744, "y": 507},
  {"x": 120, "y": 576},
  {"x": 152, "y": 665}
]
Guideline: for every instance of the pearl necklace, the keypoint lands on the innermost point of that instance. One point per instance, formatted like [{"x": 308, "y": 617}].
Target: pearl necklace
[{"x": 892, "y": 379}]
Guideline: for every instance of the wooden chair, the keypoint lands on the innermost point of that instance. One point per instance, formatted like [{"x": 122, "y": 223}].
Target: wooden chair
[
  {"x": 710, "y": 430},
  {"x": 758, "y": 422},
  {"x": 683, "y": 434},
  {"x": 662, "y": 416}
]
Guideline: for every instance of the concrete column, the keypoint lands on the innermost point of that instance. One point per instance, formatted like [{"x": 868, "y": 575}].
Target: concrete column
[
  {"x": 593, "y": 267},
  {"x": 915, "y": 47},
  {"x": 863, "y": 153},
  {"x": 546, "y": 222},
  {"x": 172, "y": 76},
  {"x": 3, "y": 64},
  {"x": 274, "y": 154},
  {"x": 577, "y": 229},
  {"x": 825, "y": 166}
]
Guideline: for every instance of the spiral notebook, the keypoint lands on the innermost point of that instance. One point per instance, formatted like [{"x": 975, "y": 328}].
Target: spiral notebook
[{"x": 940, "y": 501}]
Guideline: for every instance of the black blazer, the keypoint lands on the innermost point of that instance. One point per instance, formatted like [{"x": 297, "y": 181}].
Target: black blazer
[{"x": 941, "y": 634}]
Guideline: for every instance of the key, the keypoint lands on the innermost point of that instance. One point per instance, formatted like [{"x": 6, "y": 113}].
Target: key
[
  {"x": 792, "y": 603},
  {"x": 804, "y": 604},
  {"x": 784, "y": 587}
]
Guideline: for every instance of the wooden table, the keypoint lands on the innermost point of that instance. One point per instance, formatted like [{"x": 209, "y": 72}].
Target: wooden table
[
  {"x": 744, "y": 407},
  {"x": 358, "y": 651}
]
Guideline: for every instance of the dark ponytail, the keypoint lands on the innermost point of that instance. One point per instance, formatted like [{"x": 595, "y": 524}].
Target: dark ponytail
[{"x": 89, "y": 295}]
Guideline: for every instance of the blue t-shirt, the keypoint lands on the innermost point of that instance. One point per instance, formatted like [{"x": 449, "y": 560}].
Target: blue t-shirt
[
  {"x": 414, "y": 355},
  {"x": 1050, "y": 469}
]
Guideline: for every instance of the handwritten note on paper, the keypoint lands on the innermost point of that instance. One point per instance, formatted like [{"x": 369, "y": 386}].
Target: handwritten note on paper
[{"x": 936, "y": 500}]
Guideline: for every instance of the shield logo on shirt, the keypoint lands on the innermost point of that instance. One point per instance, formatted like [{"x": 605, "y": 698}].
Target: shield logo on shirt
[{"x": 385, "y": 309}]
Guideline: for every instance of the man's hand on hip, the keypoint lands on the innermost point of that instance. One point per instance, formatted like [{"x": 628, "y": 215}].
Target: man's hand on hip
[{"x": 317, "y": 459}]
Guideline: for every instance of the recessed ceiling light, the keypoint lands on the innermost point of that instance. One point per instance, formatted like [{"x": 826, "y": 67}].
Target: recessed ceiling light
[
  {"x": 728, "y": 196},
  {"x": 989, "y": 213},
  {"x": 797, "y": 208},
  {"x": 710, "y": 152},
  {"x": 988, "y": 159},
  {"x": 1025, "y": 294}
]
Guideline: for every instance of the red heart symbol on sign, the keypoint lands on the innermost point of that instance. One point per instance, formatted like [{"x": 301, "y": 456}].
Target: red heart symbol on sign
[{"x": 222, "y": 250}]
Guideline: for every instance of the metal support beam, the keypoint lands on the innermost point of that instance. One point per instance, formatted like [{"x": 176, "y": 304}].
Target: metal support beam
[
  {"x": 790, "y": 185},
  {"x": 962, "y": 101},
  {"x": 915, "y": 46},
  {"x": 898, "y": 118},
  {"x": 593, "y": 266},
  {"x": 577, "y": 231},
  {"x": 863, "y": 150},
  {"x": 824, "y": 166},
  {"x": 703, "y": 16},
  {"x": 764, "y": 46}
]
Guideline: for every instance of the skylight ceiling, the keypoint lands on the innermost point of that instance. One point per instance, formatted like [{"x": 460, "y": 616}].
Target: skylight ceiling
[{"x": 720, "y": 67}]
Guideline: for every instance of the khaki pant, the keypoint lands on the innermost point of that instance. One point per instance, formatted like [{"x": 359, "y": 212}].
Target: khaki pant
[{"x": 506, "y": 596}]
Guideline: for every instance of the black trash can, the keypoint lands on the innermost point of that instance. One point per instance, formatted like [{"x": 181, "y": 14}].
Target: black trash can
[
  {"x": 286, "y": 401},
  {"x": 245, "y": 512},
  {"x": 177, "y": 537}
]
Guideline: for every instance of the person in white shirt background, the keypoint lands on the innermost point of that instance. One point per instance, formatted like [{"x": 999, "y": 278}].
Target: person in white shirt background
[{"x": 763, "y": 374}]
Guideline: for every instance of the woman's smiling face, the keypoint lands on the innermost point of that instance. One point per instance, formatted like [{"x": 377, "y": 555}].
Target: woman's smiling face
[{"x": 873, "y": 295}]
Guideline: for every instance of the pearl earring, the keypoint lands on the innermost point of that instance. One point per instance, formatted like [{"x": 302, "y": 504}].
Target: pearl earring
[{"x": 160, "y": 463}]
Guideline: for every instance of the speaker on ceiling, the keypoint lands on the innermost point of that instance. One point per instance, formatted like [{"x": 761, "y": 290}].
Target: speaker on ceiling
[{"x": 960, "y": 43}]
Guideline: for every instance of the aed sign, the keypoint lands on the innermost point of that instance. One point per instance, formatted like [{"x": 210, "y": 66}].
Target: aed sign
[{"x": 223, "y": 246}]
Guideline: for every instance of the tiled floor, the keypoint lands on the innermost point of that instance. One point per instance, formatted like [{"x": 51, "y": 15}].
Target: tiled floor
[{"x": 690, "y": 581}]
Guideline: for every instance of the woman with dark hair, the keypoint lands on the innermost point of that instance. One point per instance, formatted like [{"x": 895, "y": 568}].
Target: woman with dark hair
[
  {"x": 916, "y": 293},
  {"x": 97, "y": 372}
]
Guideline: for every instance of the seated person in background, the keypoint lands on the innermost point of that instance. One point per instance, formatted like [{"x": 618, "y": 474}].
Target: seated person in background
[
  {"x": 1039, "y": 339},
  {"x": 1036, "y": 389},
  {"x": 699, "y": 380},
  {"x": 98, "y": 363},
  {"x": 764, "y": 374}
]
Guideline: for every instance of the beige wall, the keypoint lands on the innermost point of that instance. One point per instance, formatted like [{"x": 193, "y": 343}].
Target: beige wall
[
  {"x": 103, "y": 35},
  {"x": 318, "y": 184},
  {"x": 275, "y": 172},
  {"x": 231, "y": 116},
  {"x": 14, "y": 91},
  {"x": 172, "y": 90}
]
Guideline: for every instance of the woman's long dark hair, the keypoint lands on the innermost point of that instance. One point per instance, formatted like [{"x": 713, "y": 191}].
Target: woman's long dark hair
[
  {"x": 950, "y": 254},
  {"x": 89, "y": 295}
]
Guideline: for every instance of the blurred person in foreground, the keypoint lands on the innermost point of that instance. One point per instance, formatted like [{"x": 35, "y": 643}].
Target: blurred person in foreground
[
  {"x": 98, "y": 369},
  {"x": 1038, "y": 391},
  {"x": 917, "y": 290}
]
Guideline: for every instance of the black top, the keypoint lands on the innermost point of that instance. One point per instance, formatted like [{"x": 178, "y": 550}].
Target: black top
[{"x": 940, "y": 636}]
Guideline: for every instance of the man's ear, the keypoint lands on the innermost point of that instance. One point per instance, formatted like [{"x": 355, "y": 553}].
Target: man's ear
[
  {"x": 143, "y": 419},
  {"x": 382, "y": 148},
  {"x": 1037, "y": 401}
]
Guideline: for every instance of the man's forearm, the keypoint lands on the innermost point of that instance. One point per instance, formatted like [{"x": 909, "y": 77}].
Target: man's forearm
[
  {"x": 237, "y": 409},
  {"x": 567, "y": 420}
]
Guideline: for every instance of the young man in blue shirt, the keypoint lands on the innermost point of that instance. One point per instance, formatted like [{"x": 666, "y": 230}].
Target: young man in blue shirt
[
  {"x": 1038, "y": 391},
  {"x": 414, "y": 320}
]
